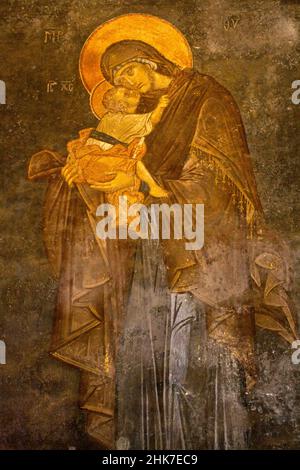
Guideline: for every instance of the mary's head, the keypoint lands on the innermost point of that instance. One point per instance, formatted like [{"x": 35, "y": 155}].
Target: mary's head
[{"x": 135, "y": 65}]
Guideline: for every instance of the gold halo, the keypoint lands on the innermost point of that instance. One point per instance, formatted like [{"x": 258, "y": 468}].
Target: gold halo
[{"x": 159, "y": 33}]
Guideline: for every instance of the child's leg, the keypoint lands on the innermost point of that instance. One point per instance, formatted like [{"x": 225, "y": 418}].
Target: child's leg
[{"x": 144, "y": 175}]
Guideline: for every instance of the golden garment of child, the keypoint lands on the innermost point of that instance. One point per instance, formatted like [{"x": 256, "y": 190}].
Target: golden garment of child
[
  {"x": 99, "y": 165},
  {"x": 120, "y": 147}
]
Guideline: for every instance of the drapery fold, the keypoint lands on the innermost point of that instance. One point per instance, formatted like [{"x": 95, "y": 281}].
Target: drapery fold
[{"x": 202, "y": 159}]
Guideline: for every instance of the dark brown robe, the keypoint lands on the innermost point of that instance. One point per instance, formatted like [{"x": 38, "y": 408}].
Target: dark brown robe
[{"x": 199, "y": 153}]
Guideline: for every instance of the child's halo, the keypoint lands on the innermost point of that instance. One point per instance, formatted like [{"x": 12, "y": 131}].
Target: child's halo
[{"x": 96, "y": 98}]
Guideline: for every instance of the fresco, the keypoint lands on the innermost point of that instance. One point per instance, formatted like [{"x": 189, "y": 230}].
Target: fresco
[{"x": 154, "y": 343}]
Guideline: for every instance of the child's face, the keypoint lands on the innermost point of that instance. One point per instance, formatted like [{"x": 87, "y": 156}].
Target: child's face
[{"x": 130, "y": 98}]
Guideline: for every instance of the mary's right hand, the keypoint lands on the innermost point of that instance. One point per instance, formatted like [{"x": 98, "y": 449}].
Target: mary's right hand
[{"x": 70, "y": 172}]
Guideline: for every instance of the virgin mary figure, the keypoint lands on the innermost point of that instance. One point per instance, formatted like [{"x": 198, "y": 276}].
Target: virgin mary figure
[{"x": 165, "y": 337}]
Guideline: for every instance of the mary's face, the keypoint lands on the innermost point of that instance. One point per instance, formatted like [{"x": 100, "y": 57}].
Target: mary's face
[{"x": 135, "y": 76}]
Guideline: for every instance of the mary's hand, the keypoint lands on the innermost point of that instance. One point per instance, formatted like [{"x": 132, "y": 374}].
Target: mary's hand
[
  {"x": 121, "y": 180},
  {"x": 70, "y": 172}
]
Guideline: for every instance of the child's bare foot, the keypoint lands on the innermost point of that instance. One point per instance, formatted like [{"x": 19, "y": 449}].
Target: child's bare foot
[{"x": 157, "y": 191}]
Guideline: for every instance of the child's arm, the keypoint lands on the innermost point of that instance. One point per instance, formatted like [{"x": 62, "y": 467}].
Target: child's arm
[{"x": 158, "y": 112}]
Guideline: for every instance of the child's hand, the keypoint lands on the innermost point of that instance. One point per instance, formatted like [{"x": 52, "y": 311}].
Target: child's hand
[{"x": 164, "y": 100}]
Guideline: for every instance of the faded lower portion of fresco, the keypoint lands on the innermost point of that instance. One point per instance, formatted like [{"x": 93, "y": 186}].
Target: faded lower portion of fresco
[
  {"x": 152, "y": 346},
  {"x": 190, "y": 389}
]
